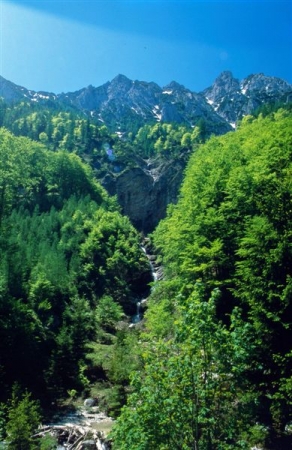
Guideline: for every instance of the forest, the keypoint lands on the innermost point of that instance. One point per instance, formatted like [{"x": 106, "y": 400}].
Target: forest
[
  {"x": 216, "y": 349},
  {"x": 209, "y": 365}
]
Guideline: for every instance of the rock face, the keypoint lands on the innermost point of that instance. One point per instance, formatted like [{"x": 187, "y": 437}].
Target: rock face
[
  {"x": 12, "y": 93},
  {"x": 145, "y": 192},
  {"x": 232, "y": 99},
  {"x": 123, "y": 104}
]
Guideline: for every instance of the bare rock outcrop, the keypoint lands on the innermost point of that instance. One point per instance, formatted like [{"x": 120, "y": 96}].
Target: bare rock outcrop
[{"x": 144, "y": 192}]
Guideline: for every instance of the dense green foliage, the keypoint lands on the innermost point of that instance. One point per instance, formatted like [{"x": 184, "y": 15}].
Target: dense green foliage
[
  {"x": 71, "y": 266},
  {"x": 91, "y": 139},
  {"x": 23, "y": 419},
  {"x": 211, "y": 368},
  {"x": 65, "y": 249},
  {"x": 58, "y": 129},
  {"x": 166, "y": 140},
  {"x": 217, "y": 350}
]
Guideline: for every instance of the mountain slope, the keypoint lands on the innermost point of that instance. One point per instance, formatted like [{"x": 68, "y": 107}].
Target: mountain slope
[
  {"x": 217, "y": 347},
  {"x": 125, "y": 104},
  {"x": 146, "y": 167},
  {"x": 122, "y": 101},
  {"x": 12, "y": 93},
  {"x": 232, "y": 98}
]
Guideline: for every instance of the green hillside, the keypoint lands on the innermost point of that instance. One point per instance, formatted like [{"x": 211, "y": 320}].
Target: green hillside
[
  {"x": 216, "y": 348},
  {"x": 64, "y": 247},
  {"x": 209, "y": 366}
]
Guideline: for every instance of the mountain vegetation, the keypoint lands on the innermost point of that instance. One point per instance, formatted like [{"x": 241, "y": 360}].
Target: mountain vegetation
[
  {"x": 209, "y": 365},
  {"x": 216, "y": 371},
  {"x": 68, "y": 130},
  {"x": 68, "y": 259},
  {"x": 113, "y": 156}
]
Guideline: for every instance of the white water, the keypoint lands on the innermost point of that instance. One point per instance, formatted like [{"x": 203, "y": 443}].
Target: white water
[
  {"x": 137, "y": 316},
  {"x": 83, "y": 417},
  {"x": 156, "y": 272}
]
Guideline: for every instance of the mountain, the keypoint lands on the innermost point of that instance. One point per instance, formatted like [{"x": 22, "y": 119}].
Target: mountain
[
  {"x": 232, "y": 98},
  {"x": 12, "y": 93},
  {"x": 122, "y": 101},
  {"x": 144, "y": 183},
  {"x": 125, "y": 105}
]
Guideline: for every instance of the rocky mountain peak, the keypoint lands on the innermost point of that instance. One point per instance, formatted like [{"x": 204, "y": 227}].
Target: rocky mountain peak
[
  {"x": 121, "y": 103},
  {"x": 120, "y": 84},
  {"x": 225, "y": 84},
  {"x": 232, "y": 99},
  {"x": 120, "y": 78},
  {"x": 225, "y": 75},
  {"x": 263, "y": 84},
  {"x": 174, "y": 86},
  {"x": 10, "y": 91}
]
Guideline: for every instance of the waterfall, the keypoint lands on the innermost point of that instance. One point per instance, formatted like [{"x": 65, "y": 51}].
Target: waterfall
[
  {"x": 138, "y": 309},
  {"x": 137, "y": 317},
  {"x": 156, "y": 270}
]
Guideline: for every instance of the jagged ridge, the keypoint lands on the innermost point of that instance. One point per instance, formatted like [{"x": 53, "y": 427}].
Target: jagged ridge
[{"x": 123, "y": 101}]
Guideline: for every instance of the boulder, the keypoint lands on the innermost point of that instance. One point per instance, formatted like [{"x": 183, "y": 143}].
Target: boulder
[
  {"x": 88, "y": 445},
  {"x": 89, "y": 402}
]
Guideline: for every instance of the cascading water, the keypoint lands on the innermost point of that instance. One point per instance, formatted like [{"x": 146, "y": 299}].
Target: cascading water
[
  {"x": 137, "y": 317},
  {"x": 156, "y": 273},
  {"x": 156, "y": 270}
]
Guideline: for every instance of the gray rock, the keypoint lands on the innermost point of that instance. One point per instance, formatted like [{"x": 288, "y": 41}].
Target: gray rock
[
  {"x": 121, "y": 102},
  {"x": 144, "y": 194},
  {"x": 232, "y": 99},
  {"x": 89, "y": 402},
  {"x": 88, "y": 445}
]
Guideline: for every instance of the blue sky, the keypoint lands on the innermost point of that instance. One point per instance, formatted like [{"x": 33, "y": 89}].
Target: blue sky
[{"x": 60, "y": 46}]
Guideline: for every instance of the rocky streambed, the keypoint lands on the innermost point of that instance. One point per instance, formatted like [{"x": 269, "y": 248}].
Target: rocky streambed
[{"x": 85, "y": 427}]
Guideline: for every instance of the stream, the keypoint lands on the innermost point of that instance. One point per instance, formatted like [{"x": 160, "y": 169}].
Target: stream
[
  {"x": 83, "y": 428},
  {"x": 92, "y": 417},
  {"x": 87, "y": 419},
  {"x": 157, "y": 274},
  {"x": 156, "y": 270}
]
